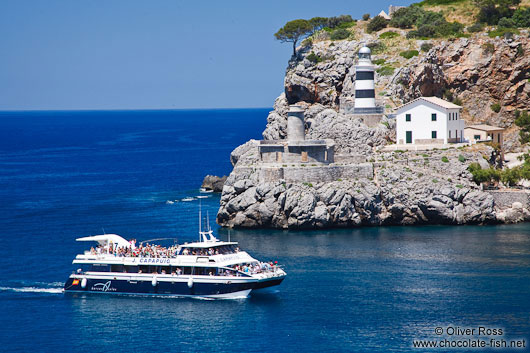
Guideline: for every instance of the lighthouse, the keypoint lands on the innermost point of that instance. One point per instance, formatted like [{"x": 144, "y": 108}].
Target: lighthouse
[
  {"x": 364, "y": 84},
  {"x": 295, "y": 123}
]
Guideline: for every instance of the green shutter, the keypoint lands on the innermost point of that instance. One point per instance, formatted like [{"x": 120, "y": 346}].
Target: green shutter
[{"x": 409, "y": 136}]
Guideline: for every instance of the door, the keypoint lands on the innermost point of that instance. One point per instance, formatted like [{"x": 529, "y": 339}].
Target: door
[{"x": 409, "y": 137}]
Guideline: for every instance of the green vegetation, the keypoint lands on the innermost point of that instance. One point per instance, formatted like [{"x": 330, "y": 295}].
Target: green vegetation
[
  {"x": 477, "y": 27},
  {"x": 491, "y": 11},
  {"x": 503, "y": 32},
  {"x": 296, "y": 30},
  {"x": 389, "y": 34},
  {"x": 409, "y": 53},
  {"x": 339, "y": 34},
  {"x": 461, "y": 158},
  {"x": 435, "y": 181},
  {"x": 378, "y": 61},
  {"x": 426, "y": 47},
  {"x": 293, "y": 31},
  {"x": 445, "y": 159},
  {"x": 496, "y": 107},
  {"x": 385, "y": 70},
  {"x": 376, "y": 47},
  {"x": 439, "y": 2},
  {"x": 308, "y": 184},
  {"x": 376, "y": 24},
  {"x": 509, "y": 176},
  {"x": 460, "y": 186},
  {"x": 366, "y": 17},
  {"x": 428, "y": 24},
  {"x": 314, "y": 58},
  {"x": 523, "y": 121}
]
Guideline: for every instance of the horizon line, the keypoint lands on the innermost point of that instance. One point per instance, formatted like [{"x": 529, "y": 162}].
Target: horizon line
[{"x": 124, "y": 109}]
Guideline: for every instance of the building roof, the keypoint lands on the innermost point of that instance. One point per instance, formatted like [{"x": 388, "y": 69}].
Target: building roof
[
  {"x": 434, "y": 100},
  {"x": 384, "y": 15},
  {"x": 485, "y": 127}
]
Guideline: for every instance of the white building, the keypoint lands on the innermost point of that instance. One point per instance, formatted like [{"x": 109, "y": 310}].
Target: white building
[{"x": 429, "y": 120}]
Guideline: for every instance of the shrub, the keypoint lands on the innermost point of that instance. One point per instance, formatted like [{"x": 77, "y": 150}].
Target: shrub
[
  {"x": 502, "y": 32},
  {"x": 491, "y": 11},
  {"x": 366, "y": 16},
  {"x": 426, "y": 47},
  {"x": 389, "y": 34},
  {"x": 378, "y": 61},
  {"x": 445, "y": 159},
  {"x": 406, "y": 17},
  {"x": 340, "y": 34},
  {"x": 376, "y": 47},
  {"x": 339, "y": 20},
  {"x": 385, "y": 70},
  {"x": 314, "y": 58},
  {"x": 409, "y": 53},
  {"x": 457, "y": 101},
  {"x": 461, "y": 158},
  {"x": 521, "y": 17},
  {"x": 523, "y": 122},
  {"x": 506, "y": 22},
  {"x": 483, "y": 175},
  {"x": 477, "y": 27},
  {"x": 496, "y": 107},
  {"x": 435, "y": 181},
  {"x": 376, "y": 24},
  {"x": 460, "y": 186}
]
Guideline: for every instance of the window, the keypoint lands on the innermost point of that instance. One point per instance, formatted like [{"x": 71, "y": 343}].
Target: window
[
  {"x": 449, "y": 133},
  {"x": 407, "y": 117},
  {"x": 433, "y": 134},
  {"x": 409, "y": 137},
  {"x": 433, "y": 116},
  {"x": 476, "y": 137}
]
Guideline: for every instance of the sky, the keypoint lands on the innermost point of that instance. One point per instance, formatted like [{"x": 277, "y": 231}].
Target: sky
[{"x": 151, "y": 54}]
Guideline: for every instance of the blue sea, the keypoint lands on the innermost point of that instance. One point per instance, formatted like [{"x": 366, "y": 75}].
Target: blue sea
[{"x": 65, "y": 175}]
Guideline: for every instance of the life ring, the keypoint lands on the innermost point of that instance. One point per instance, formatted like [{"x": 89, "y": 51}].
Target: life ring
[
  {"x": 190, "y": 282},
  {"x": 83, "y": 282},
  {"x": 154, "y": 282}
]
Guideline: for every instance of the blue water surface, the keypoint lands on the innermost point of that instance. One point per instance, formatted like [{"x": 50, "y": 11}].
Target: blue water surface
[{"x": 69, "y": 174}]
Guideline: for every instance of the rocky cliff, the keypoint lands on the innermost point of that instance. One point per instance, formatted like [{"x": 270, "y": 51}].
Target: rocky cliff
[{"x": 366, "y": 186}]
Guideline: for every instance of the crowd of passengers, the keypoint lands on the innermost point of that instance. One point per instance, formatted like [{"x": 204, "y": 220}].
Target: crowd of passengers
[{"x": 158, "y": 251}]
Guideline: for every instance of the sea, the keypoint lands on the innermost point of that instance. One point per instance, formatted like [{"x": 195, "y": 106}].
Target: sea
[{"x": 69, "y": 174}]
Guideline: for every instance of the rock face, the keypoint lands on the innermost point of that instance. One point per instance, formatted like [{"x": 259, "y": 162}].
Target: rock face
[
  {"x": 215, "y": 183},
  {"x": 480, "y": 72},
  {"x": 366, "y": 186}
]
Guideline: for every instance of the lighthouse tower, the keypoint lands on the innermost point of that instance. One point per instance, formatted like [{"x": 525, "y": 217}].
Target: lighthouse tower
[
  {"x": 295, "y": 124},
  {"x": 364, "y": 84}
]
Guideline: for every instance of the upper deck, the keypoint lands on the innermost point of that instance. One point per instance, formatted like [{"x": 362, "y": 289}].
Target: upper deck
[{"x": 113, "y": 249}]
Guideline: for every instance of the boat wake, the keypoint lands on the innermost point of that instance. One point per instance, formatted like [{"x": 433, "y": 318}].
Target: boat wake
[{"x": 32, "y": 290}]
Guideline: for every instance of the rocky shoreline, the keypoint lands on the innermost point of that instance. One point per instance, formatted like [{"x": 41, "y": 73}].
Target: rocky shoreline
[{"x": 366, "y": 186}]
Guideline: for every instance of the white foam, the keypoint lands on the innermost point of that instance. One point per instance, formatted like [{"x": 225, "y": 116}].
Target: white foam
[
  {"x": 202, "y": 197},
  {"x": 169, "y": 202},
  {"x": 32, "y": 290},
  {"x": 188, "y": 199}
]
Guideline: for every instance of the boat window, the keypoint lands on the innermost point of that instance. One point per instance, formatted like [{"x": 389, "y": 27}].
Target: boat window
[
  {"x": 154, "y": 269},
  {"x": 132, "y": 269},
  {"x": 116, "y": 268},
  {"x": 100, "y": 268},
  {"x": 144, "y": 269},
  {"x": 204, "y": 271},
  {"x": 187, "y": 270},
  {"x": 165, "y": 269}
]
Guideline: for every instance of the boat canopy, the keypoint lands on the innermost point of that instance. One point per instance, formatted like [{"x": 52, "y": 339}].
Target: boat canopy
[{"x": 106, "y": 239}]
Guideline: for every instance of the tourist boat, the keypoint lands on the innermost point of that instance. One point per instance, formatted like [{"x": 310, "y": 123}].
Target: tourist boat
[{"x": 208, "y": 268}]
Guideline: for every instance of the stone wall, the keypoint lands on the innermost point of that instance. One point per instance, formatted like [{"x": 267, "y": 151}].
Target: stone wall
[{"x": 506, "y": 198}]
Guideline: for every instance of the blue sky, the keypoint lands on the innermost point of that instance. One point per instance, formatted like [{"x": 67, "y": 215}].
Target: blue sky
[{"x": 158, "y": 54}]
